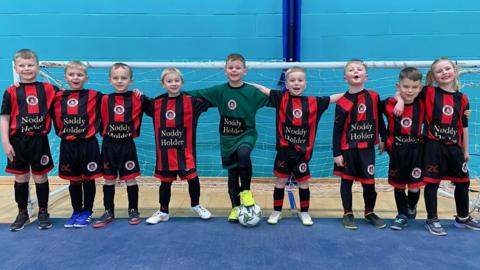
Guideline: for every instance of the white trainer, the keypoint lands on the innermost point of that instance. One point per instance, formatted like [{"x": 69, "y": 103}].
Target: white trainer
[
  {"x": 274, "y": 217},
  {"x": 202, "y": 212},
  {"x": 157, "y": 217},
  {"x": 305, "y": 218}
]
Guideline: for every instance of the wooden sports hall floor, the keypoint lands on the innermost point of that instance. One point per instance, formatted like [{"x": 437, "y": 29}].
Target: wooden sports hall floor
[{"x": 325, "y": 199}]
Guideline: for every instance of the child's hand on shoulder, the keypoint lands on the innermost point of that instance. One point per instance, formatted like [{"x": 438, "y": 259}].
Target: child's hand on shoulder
[{"x": 137, "y": 92}]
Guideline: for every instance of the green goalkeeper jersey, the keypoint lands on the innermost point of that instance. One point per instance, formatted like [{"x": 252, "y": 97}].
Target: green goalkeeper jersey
[{"x": 237, "y": 107}]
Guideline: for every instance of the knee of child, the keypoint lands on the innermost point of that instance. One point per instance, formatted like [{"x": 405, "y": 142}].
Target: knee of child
[
  {"x": 131, "y": 182},
  {"x": 22, "y": 178},
  {"x": 414, "y": 190},
  {"x": 40, "y": 179},
  {"x": 303, "y": 185},
  {"x": 109, "y": 182},
  {"x": 280, "y": 182}
]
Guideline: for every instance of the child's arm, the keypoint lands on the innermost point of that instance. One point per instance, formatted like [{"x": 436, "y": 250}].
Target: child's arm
[
  {"x": 335, "y": 97},
  {"x": 4, "y": 129},
  {"x": 262, "y": 88},
  {"x": 466, "y": 153},
  {"x": 400, "y": 106},
  {"x": 382, "y": 130},
  {"x": 340, "y": 117}
]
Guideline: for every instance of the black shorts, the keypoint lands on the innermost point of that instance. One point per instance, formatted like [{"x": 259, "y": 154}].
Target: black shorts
[
  {"x": 405, "y": 167},
  {"x": 289, "y": 162},
  {"x": 442, "y": 161},
  {"x": 170, "y": 176},
  {"x": 30, "y": 153},
  {"x": 80, "y": 159},
  {"x": 119, "y": 160},
  {"x": 359, "y": 165}
]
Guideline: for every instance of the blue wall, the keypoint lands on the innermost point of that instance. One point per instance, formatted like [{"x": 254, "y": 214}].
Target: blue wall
[{"x": 209, "y": 30}]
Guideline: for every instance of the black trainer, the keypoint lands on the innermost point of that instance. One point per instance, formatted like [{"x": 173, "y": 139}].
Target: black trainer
[
  {"x": 412, "y": 212},
  {"x": 134, "y": 217},
  {"x": 44, "y": 219},
  {"x": 375, "y": 220},
  {"x": 349, "y": 222},
  {"x": 469, "y": 223},
  {"x": 399, "y": 223},
  {"x": 106, "y": 218},
  {"x": 20, "y": 221}
]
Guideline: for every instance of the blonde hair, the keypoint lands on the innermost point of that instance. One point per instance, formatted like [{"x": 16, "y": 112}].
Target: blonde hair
[
  {"x": 167, "y": 71},
  {"x": 26, "y": 54},
  {"x": 121, "y": 65},
  {"x": 235, "y": 57},
  {"x": 77, "y": 65},
  {"x": 356, "y": 61},
  {"x": 294, "y": 69},
  {"x": 430, "y": 78}
]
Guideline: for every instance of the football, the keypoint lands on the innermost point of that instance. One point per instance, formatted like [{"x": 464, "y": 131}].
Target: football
[{"x": 249, "y": 216}]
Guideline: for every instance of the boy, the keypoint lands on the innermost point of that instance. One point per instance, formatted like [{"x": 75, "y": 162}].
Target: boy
[
  {"x": 297, "y": 118},
  {"x": 25, "y": 123},
  {"x": 121, "y": 114},
  {"x": 76, "y": 118},
  {"x": 404, "y": 145},
  {"x": 357, "y": 124},
  {"x": 237, "y": 104},
  {"x": 175, "y": 117}
]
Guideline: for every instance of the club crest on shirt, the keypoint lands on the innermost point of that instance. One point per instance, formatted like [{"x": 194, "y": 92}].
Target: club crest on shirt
[
  {"x": 32, "y": 100},
  {"x": 130, "y": 165},
  {"x": 464, "y": 167},
  {"x": 92, "y": 166},
  {"x": 44, "y": 160},
  {"x": 302, "y": 167},
  {"x": 170, "y": 114},
  {"x": 416, "y": 173},
  {"x": 232, "y": 104},
  {"x": 406, "y": 122},
  {"x": 297, "y": 113},
  {"x": 371, "y": 169},
  {"x": 447, "y": 110},
  {"x": 119, "y": 109},
  {"x": 72, "y": 102},
  {"x": 361, "y": 108}
]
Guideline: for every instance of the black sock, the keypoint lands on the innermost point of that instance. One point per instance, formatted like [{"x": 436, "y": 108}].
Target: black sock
[
  {"x": 461, "y": 199},
  {"x": 108, "y": 197},
  {"x": 369, "y": 197},
  {"x": 234, "y": 186},
  {"x": 401, "y": 201},
  {"x": 304, "y": 195},
  {"x": 76, "y": 196},
  {"x": 194, "y": 191},
  {"x": 346, "y": 194},
  {"x": 132, "y": 193},
  {"x": 89, "y": 191},
  {"x": 278, "y": 196},
  {"x": 21, "y": 195},
  {"x": 42, "y": 194},
  {"x": 413, "y": 198},
  {"x": 165, "y": 193},
  {"x": 430, "y": 194},
  {"x": 245, "y": 177}
]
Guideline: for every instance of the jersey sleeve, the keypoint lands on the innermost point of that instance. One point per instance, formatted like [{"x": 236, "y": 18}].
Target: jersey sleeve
[
  {"x": 148, "y": 106},
  {"x": 467, "y": 107},
  {"x": 212, "y": 95},
  {"x": 339, "y": 122},
  {"x": 382, "y": 130},
  {"x": 6, "y": 103},
  {"x": 275, "y": 98},
  {"x": 323, "y": 103}
]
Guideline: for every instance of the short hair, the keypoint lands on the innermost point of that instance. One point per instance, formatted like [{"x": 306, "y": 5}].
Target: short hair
[
  {"x": 167, "y": 71},
  {"x": 357, "y": 61},
  {"x": 77, "y": 65},
  {"x": 26, "y": 54},
  {"x": 294, "y": 69},
  {"x": 121, "y": 65},
  {"x": 235, "y": 57},
  {"x": 410, "y": 73}
]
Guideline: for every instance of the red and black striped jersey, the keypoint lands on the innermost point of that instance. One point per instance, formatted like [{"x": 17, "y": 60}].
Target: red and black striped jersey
[
  {"x": 358, "y": 121},
  {"x": 28, "y": 106},
  {"x": 406, "y": 129},
  {"x": 445, "y": 115},
  {"x": 175, "y": 124},
  {"x": 297, "y": 118},
  {"x": 76, "y": 114},
  {"x": 121, "y": 116}
]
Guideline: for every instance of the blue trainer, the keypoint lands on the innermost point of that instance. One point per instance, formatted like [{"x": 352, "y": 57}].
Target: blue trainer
[
  {"x": 84, "y": 219},
  {"x": 71, "y": 221}
]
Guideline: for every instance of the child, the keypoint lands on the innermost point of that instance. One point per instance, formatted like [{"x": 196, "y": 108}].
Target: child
[
  {"x": 446, "y": 144},
  {"x": 25, "y": 123},
  {"x": 404, "y": 145},
  {"x": 76, "y": 118},
  {"x": 175, "y": 117},
  {"x": 237, "y": 104},
  {"x": 357, "y": 124},
  {"x": 121, "y": 114},
  {"x": 297, "y": 118}
]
